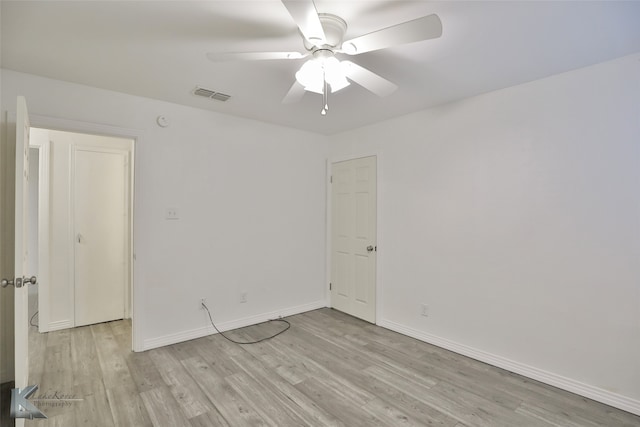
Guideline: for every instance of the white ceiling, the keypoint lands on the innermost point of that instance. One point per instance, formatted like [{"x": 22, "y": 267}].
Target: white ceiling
[{"x": 157, "y": 49}]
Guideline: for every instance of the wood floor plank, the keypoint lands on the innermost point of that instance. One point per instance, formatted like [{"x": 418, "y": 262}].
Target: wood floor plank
[
  {"x": 58, "y": 337},
  {"x": 84, "y": 355},
  {"x": 393, "y": 416},
  {"x": 162, "y": 408},
  {"x": 123, "y": 339},
  {"x": 475, "y": 410},
  {"x": 37, "y": 352},
  {"x": 270, "y": 409},
  {"x": 480, "y": 379},
  {"x": 232, "y": 406},
  {"x": 183, "y": 387},
  {"x": 186, "y": 391},
  {"x": 552, "y": 418},
  {"x": 57, "y": 378},
  {"x": 295, "y": 366},
  {"x": 127, "y": 407},
  {"x": 64, "y": 420},
  {"x": 94, "y": 409},
  {"x": 344, "y": 409},
  {"x": 329, "y": 369},
  {"x": 414, "y": 388},
  {"x": 569, "y": 406},
  {"x": 115, "y": 371},
  {"x": 122, "y": 327},
  {"x": 407, "y": 403},
  {"x": 281, "y": 389},
  {"x": 144, "y": 373},
  {"x": 165, "y": 360},
  {"x": 287, "y": 367},
  {"x": 210, "y": 349},
  {"x": 212, "y": 418}
]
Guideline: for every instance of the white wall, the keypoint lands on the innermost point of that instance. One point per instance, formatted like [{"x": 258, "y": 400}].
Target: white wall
[
  {"x": 250, "y": 198},
  {"x": 515, "y": 216}
]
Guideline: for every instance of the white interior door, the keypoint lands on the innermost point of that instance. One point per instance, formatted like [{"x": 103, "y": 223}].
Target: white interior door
[
  {"x": 101, "y": 234},
  {"x": 353, "y": 238},
  {"x": 21, "y": 293}
]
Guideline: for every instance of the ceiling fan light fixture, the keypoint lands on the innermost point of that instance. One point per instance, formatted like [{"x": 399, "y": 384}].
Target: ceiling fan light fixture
[
  {"x": 323, "y": 36},
  {"x": 339, "y": 84},
  {"x": 315, "y": 72},
  {"x": 334, "y": 75},
  {"x": 310, "y": 75}
]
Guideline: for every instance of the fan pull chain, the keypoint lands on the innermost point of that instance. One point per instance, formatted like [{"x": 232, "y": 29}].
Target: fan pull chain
[{"x": 325, "y": 96}]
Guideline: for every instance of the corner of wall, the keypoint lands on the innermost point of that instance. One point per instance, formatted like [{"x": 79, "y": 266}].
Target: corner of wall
[{"x": 227, "y": 326}]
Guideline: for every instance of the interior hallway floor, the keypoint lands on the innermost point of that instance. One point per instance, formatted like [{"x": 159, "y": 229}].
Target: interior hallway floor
[{"x": 329, "y": 369}]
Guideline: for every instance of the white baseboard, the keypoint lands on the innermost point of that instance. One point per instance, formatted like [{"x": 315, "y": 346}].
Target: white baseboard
[
  {"x": 226, "y": 326},
  {"x": 609, "y": 398},
  {"x": 60, "y": 324}
]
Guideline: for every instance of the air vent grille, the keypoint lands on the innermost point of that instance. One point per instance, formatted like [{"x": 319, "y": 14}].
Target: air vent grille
[
  {"x": 220, "y": 96},
  {"x": 212, "y": 94}
]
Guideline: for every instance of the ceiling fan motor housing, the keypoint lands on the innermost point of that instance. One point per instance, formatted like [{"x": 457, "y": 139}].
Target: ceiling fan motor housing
[{"x": 334, "y": 30}]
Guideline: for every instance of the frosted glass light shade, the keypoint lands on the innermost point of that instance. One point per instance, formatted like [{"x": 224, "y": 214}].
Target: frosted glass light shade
[{"x": 313, "y": 73}]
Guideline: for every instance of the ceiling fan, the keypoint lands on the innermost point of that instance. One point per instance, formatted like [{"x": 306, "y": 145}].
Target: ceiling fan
[{"x": 323, "y": 35}]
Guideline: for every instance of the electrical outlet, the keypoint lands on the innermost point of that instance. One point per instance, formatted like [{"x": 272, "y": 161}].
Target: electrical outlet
[
  {"x": 202, "y": 301},
  {"x": 243, "y": 297},
  {"x": 424, "y": 310},
  {"x": 171, "y": 213}
]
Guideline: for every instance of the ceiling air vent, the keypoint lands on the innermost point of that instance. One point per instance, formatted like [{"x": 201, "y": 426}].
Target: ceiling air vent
[
  {"x": 220, "y": 96},
  {"x": 208, "y": 93}
]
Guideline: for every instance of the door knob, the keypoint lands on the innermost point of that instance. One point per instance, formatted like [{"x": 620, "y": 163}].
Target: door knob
[
  {"x": 19, "y": 282},
  {"x": 29, "y": 280},
  {"x": 369, "y": 248}
]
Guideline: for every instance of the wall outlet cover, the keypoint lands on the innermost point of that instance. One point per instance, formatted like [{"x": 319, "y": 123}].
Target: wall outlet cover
[{"x": 171, "y": 213}]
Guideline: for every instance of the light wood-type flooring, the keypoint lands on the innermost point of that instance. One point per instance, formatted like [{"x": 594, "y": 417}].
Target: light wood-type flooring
[{"x": 329, "y": 369}]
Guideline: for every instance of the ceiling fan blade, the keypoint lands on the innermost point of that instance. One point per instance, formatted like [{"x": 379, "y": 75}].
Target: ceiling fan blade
[
  {"x": 253, "y": 56},
  {"x": 425, "y": 28},
  {"x": 368, "y": 79},
  {"x": 295, "y": 94},
  {"x": 305, "y": 15}
]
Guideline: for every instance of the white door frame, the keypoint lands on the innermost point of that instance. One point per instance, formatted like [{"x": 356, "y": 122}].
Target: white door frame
[
  {"x": 379, "y": 236},
  {"x": 65, "y": 125},
  {"x": 44, "y": 221}
]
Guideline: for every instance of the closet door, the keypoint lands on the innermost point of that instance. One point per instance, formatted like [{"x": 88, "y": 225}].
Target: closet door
[
  {"x": 353, "y": 238},
  {"x": 100, "y": 214}
]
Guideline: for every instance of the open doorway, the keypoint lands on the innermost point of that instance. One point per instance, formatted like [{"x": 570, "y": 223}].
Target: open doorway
[{"x": 84, "y": 225}]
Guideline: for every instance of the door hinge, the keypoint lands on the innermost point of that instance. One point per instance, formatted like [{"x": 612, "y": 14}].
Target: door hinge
[
  {"x": 331, "y": 179},
  {"x": 329, "y": 286}
]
